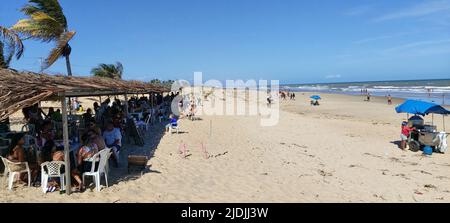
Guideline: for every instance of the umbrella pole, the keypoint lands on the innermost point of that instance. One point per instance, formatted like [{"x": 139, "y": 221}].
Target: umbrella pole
[{"x": 443, "y": 121}]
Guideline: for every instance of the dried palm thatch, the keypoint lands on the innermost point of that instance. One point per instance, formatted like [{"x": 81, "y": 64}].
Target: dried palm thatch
[{"x": 20, "y": 90}]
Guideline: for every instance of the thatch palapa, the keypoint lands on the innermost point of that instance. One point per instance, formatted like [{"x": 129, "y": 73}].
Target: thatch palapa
[{"x": 22, "y": 89}]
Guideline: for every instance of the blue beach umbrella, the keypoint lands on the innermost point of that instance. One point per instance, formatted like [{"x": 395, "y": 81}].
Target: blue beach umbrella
[{"x": 315, "y": 97}]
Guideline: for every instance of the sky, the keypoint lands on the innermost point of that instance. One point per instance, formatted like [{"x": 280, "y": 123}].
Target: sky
[{"x": 294, "y": 41}]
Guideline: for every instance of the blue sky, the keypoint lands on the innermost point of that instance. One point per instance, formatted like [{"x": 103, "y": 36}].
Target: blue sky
[{"x": 294, "y": 41}]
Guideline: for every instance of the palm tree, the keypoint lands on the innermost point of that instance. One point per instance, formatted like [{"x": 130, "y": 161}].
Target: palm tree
[
  {"x": 46, "y": 22},
  {"x": 10, "y": 45},
  {"x": 113, "y": 71}
]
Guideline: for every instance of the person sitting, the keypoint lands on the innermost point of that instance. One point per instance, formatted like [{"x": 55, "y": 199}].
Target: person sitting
[
  {"x": 113, "y": 140},
  {"x": 51, "y": 111},
  {"x": 57, "y": 116},
  {"x": 45, "y": 141},
  {"x": 406, "y": 130},
  {"x": 16, "y": 153},
  {"x": 87, "y": 151},
  {"x": 88, "y": 115},
  {"x": 173, "y": 122},
  {"x": 94, "y": 137}
]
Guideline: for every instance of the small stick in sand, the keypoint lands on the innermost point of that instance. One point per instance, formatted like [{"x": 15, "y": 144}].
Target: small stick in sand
[
  {"x": 183, "y": 150},
  {"x": 205, "y": 153}
]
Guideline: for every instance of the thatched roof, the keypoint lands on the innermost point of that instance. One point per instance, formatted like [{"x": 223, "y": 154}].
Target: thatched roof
[{"x": 20, "y": 90}]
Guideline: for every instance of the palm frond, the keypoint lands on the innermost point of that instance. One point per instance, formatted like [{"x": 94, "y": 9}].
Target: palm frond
[
  {"x": 57, "y": 52},
  {"x": 49, "y": 7},
  {"x": 113, "y": 71},
  {"x": 11, "y": 45},
  {"x": 39, "y": 26}
]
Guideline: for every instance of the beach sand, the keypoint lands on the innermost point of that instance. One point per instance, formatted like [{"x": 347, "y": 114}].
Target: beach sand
[{"x": 341, "y": 151}]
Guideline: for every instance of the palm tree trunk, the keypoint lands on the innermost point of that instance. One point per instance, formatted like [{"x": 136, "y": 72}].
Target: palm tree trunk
[
  {"x": 69, "y": 69},
  {"x": 2, "y": 58}
]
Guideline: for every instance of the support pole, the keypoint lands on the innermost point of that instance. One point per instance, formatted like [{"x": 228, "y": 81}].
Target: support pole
[
  {"x": 443, "y": 121},
  {"x": 70, "y": 105},
  {"x": 66, "y": 144},
  {"x": 126, "y": 105}
]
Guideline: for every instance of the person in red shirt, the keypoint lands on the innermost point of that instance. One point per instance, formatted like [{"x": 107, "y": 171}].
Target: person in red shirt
[{"x": 406, "y": 130}]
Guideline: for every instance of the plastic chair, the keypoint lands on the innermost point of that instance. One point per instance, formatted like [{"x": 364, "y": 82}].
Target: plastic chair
[
  {"x": 15, "y": 168},
  {"x": 174, "y": 127},
  {"x": 147, "y": 122},
  {"x": 103, "y": 156},
  {"x": 29, "y": 128},
  {"x": 54, "y": 171}
]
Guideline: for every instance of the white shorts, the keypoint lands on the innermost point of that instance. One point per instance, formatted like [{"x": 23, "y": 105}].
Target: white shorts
[{"x": 403, "y": 137}]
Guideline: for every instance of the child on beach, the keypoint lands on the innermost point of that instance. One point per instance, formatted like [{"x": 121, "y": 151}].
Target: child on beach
[
  {"x": 406, "y": 130},
  {"x": 389, "y": 98}
]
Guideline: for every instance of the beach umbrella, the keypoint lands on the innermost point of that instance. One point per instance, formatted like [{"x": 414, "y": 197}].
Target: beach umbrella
[
  {"x": 315, "y": 97},
  {"x": 421, "y": 108}
]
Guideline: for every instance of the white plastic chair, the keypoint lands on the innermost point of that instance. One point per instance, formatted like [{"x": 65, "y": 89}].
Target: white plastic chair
[
  {"x": 174, "y": 127},
  {"x": 103, "y": 156},
  {"x": 14, "y": 169},
  {"x": 29, "y": 128},
  {"x": 54, "y": 171},
  {"x": 147, "y": 122}
]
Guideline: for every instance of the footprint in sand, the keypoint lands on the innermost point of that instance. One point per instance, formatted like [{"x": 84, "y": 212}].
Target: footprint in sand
[
  {"x": 402, "y": 176},
  {"x": 430, "y": 186},
  {"x": 423, "y": 172},
  {"x": 324, "y": 173}
]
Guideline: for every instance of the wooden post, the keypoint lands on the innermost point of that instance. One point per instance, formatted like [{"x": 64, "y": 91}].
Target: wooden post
[
  {"x": 151, "y": 99},
  {"x": 66, "y": 143},
  {"x": 70, "y": 105},
  {"x": 210, "y": 128},
  {"x": 126, "y": 105}
]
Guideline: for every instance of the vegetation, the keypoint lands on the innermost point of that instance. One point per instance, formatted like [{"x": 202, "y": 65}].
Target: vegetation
[
  {"x": 166, "y": 83},
  {"x": 113, "y": 71},
  {"x": 10, "y": 45},
  {"x": 46, "y": 22}
]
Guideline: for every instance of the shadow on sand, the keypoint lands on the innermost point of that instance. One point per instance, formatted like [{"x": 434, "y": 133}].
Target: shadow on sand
[{"x": 152, "y": 138}]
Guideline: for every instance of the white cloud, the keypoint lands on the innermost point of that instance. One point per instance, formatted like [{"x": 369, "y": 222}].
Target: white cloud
[
  {"x": 336, "y": 76},
  {"x": 422, "y": 9},
  {"x": 419, "y": 44}
]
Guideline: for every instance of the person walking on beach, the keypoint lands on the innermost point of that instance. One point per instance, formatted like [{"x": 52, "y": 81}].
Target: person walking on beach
[
  {"x": 389, "y": 98},
  {"x": 368, "y": 96},
  {"x": 269, "y": 99}
]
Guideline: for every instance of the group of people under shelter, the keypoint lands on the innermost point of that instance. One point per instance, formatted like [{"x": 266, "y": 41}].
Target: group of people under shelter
[{"x": 100, "y": 127}]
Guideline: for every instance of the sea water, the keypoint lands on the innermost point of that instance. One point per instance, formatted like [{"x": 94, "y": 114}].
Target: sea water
[{"x": 436, "y": 91}]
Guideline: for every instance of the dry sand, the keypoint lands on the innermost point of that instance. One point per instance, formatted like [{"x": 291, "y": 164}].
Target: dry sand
[{"x": 341, "y": 151}]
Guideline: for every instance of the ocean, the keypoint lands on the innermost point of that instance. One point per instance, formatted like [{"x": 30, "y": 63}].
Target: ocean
[{"x": 436, "y": 91}]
